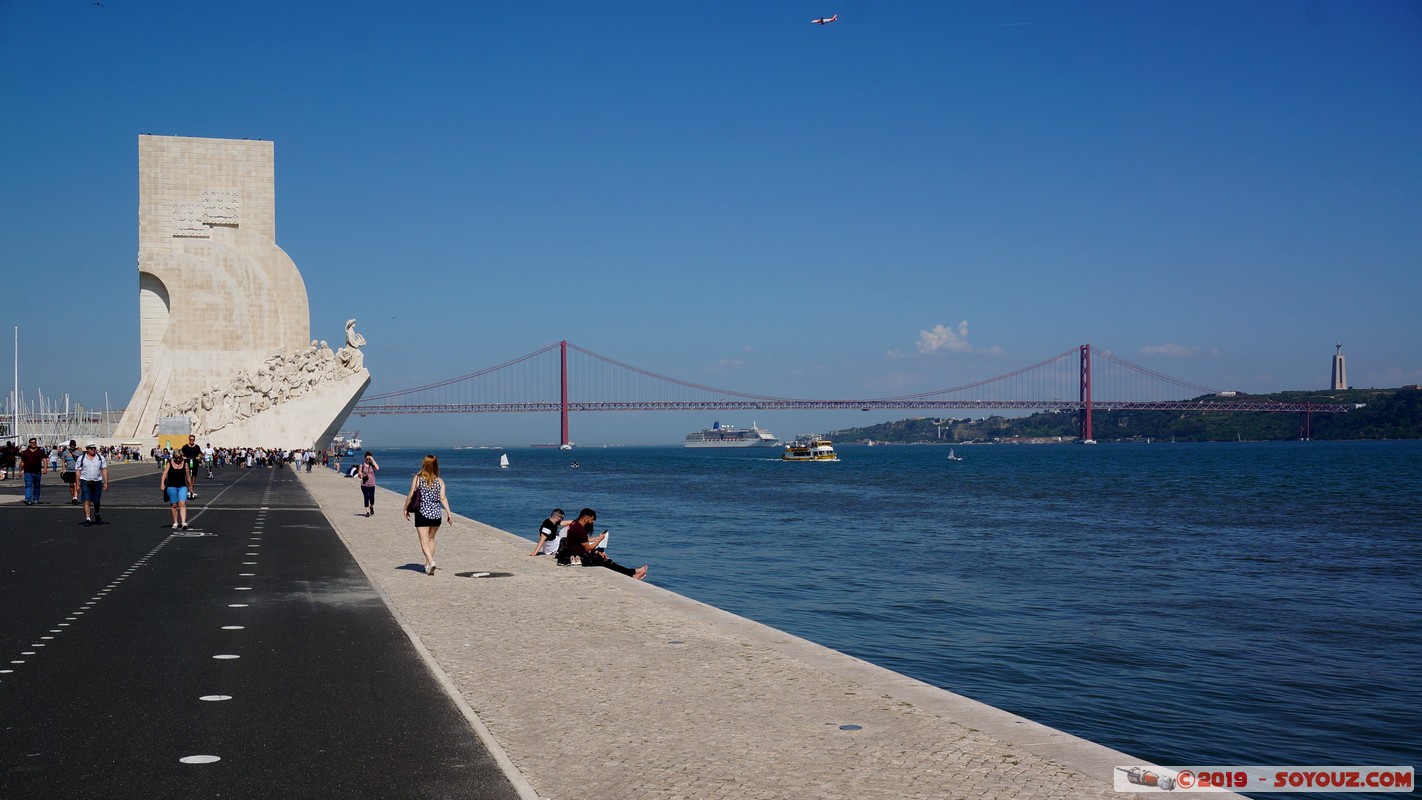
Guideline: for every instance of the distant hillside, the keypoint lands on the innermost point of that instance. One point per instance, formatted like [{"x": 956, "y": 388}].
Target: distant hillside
[{"x": 1387, "y": 414}]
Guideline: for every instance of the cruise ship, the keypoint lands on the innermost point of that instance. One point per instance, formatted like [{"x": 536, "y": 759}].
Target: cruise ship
[
  {"x": 719, "y": 435},
  {"x": 347, "y": 443}
]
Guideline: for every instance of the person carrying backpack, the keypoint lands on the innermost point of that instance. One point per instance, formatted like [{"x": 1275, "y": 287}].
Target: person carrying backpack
[{"x": 93, "y": 475}]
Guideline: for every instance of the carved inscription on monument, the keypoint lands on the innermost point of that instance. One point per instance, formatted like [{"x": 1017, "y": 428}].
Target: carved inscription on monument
[
  {"x": 195, "y": 220},
  {"x": 222, "y": 207},
  {"x": 187, "y": 220}
]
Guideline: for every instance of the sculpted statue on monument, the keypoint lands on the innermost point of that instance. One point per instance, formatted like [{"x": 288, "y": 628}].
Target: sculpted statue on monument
[
  {"x": 352, "y": 360},
  {"x": 353, "y": 339}
]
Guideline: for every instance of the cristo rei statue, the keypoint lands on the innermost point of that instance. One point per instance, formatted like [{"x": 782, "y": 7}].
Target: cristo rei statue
[{"x": 225, "y": 339}]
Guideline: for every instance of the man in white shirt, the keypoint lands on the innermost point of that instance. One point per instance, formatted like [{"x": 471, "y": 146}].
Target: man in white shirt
[{"x": 93, "y": 480}]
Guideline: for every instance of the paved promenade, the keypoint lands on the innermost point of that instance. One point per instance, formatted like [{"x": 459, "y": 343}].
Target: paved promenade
[{"x": 653, "y": 695}]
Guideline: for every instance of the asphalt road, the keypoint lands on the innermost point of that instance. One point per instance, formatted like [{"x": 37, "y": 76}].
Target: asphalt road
[{"x": 248, "y": 657}]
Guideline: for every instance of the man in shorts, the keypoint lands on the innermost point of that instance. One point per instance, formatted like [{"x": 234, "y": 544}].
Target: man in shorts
[
  {"x": 93, "y": 480},
  {"x": 67, "y": 456},
  {"x": 193, "y": 455}
]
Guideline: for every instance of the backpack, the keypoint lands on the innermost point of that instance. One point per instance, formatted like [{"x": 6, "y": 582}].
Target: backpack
[{"x": 79, "y": 463}]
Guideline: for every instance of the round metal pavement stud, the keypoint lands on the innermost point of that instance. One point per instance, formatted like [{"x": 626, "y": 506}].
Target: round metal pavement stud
[{"x": 200, "y": 759}]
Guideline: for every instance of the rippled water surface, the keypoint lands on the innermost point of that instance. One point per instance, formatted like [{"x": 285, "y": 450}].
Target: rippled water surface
[{"x": 1188, "y": 604}]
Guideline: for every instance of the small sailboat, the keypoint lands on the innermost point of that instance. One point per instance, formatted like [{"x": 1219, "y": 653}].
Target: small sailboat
[
  {"x": 504, "y": 461},
  {"x": 953, "y": 456}
]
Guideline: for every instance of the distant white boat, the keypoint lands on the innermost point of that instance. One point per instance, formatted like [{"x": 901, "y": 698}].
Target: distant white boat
[
  {"x": 504, "y": 461},
  {"x": 953, "y": 456}
]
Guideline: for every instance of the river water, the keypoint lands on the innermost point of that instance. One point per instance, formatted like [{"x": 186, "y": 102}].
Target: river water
[{"x": 1215, "y": 604}]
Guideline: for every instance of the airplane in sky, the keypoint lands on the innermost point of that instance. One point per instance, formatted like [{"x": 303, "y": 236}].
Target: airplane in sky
[{"x": 825, "y": 20}]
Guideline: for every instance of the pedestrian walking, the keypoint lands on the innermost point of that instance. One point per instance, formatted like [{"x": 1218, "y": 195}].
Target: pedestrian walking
[
  {"x": 193, "y": 454},
  {"x": 368, "y": 468},
  {"x": 93, "y": 471},
  {"x": 8, "y": 453},
  {"x": 430, "y": 505},
  {"x": 176, "y": 483},
  {"x": 70, "y": 455},
  {"x": 33, "y": 465}
]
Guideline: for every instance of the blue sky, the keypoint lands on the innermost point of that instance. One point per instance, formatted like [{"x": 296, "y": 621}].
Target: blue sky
[{"x": 1216, "y": 190}]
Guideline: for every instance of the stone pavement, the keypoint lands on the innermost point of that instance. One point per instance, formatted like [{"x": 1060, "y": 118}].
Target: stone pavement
[{"x": 654, "y": 695}]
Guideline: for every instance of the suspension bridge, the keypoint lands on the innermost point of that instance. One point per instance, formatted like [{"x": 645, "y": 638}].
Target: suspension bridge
[{"x": 564, "y": 378}]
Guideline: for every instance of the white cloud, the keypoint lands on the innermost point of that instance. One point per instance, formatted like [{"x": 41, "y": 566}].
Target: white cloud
[
  {"x": 1169, "y": 350},
  {"x": 944, "y": 338}
]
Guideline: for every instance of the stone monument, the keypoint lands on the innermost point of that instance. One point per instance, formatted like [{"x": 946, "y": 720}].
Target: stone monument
[
  {"x": 224, "y": 328},
  {"x": 1340, "y": 370}
]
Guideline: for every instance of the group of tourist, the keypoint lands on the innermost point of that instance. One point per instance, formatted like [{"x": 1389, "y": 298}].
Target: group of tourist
[
  {"x": 569, "y": 542},
  {"x": 86, "y": 472},
  {"x": 54, "y": 456},
  {"x": 248, "y": 457}
]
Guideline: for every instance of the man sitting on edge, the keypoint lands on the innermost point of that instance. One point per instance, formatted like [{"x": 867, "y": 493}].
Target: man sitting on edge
[
  {"x": 550, "y": 534},
  {"x": 577, "y": 543}
]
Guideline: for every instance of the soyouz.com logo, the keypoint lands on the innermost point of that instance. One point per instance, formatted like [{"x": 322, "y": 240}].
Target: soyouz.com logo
[{"x": 1263, "y": 779}]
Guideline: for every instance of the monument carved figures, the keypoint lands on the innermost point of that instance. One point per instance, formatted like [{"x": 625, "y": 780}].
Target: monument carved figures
[{"x": 282, "y": 377}]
